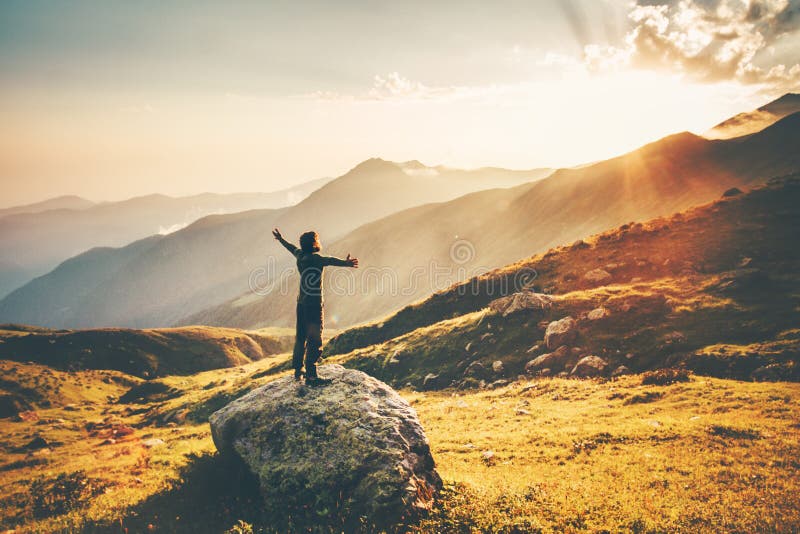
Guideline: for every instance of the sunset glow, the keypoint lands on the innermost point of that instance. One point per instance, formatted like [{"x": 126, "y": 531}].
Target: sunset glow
[{"x": 118, "y": 103}]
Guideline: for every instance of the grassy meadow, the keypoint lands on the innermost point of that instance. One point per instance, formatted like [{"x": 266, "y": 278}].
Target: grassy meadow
[{"x": 547, "y": 455}]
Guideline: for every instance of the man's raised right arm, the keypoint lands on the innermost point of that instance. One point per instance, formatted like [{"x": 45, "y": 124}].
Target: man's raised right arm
[{"x": 290, "y": 247}]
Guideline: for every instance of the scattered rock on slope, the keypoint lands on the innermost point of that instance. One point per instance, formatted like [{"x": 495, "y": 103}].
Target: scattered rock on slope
[
  {"x": 552, "y": 360},
  {"x": 523, "y": 300},
  {"x": 597, "y": 276},
  {"x": 589, "y": 366},
  {"x": 561, "y": 332},
  {"x": 597, "y": 313},
  {"x": 352, "y": 447}
]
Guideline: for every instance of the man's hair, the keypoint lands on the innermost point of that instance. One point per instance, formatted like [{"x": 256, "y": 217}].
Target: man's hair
[{"x": 309, "y": 242}]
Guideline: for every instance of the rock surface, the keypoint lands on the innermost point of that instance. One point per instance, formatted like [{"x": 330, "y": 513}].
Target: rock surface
[
  {"x": 523, "y": 300},
  {"x": 352, "y": 447},
  {"x": 551, "y": 360},
  {"x": 597, "y": 276},
  {"x": 589, "y": 366},
  {"x": 597, "y": 313},
  {"x": 561, "y": 332}
]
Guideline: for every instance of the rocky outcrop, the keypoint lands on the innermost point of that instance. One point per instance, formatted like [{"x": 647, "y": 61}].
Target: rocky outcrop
[
  {"x": 552, "y": 360},
  {"x": 597, "y": 314},
  {"x": 523, "y": 300},
  {"x": 352, "y": 447},
  {"x": 589, "y": 366},
  {"x": 620, "y": 371},
  {"x": 561, "y": 332},
  {"x": 597, "y": 276}
]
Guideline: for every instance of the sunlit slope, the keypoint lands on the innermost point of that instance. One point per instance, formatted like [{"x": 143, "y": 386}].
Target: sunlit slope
[
  {"x": 410, "y": 255},
  {"x": 714, "y": 289},
  {"x": 141, "y": 353},
  {"x": 752, "y": 121},
  {"x": 550, "y": 455}
]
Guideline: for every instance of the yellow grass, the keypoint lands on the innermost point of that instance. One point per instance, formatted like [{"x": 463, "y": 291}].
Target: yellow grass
[{"x": 709, "y": 455}]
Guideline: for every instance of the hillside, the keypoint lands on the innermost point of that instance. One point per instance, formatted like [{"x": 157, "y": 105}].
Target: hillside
[
  {"x": 99, "y": 452},
  {"x": 139, "y": 353},
  {"x": 161, "y": 279},
  {"x": 410, "y": 255},
  {"x": 714, "y": 290},
  {"x": 65, "y": 202},
  {"x": 35, "y": 240},
  {"x": 752, "y": 121}
]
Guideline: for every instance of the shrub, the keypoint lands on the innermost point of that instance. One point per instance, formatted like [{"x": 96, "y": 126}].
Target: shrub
[{"x": 664, "y": 377}]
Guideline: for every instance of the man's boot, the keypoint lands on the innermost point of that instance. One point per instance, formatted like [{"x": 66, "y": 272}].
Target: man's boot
[
  {"x": 312, "y": 379},
  {"x": 298, "y": 374}
]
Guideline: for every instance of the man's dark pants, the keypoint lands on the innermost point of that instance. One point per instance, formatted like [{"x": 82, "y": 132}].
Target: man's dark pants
[{"x": 308, "y": 337}]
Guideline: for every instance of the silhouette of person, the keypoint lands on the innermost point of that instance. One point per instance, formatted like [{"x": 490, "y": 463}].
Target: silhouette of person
[{"x": 308, "y": 336}]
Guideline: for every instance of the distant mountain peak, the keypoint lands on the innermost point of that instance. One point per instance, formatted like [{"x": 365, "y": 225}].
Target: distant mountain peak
[
  {"x": 413, "y": 164},
  {"x": 372, "y": 164}
]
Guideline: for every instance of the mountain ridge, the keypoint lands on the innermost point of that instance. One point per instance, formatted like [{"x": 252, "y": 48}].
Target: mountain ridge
[
  {"x": 502, "y": 226},
  {"x": 749, "y": 122},
  {"x": 212, "y": 260},
  {"x": 62, "y": 233}
]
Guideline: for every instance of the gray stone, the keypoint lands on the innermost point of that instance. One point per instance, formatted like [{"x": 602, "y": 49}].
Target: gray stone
[
  {"x": 589, "y": 366},
  {"x": 621, "y": 370},
  {"x": 523, "y": 300},
  {"x": 597, "y": 313},
  {"x": 498, "y": 367},
  {"x": 355, "y": 434},
  {"x": 561, "y": 332},
  {"x": 597, "y": 276},
  {"x": 552, "y": 360},
  {"x": 430, "y": 381},
  {"x": 498, "y": 384},
  {"x": 476, "y": 370}
]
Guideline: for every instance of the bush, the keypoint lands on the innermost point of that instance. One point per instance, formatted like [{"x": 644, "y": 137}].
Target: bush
[{"x": 664, "y": 377}]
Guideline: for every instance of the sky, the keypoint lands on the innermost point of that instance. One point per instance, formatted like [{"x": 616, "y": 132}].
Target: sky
[{"x": 109, "y": 99}]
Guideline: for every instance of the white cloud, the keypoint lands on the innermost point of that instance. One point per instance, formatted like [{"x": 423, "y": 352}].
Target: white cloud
[
  {"x": 394, "y": 86},
  {"x": 707, "y": 40}
]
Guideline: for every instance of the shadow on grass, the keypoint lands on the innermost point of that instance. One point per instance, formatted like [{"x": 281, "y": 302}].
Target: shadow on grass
[
  {"x": 211, "y": 496},
  {"x": 219, "y": 494}
]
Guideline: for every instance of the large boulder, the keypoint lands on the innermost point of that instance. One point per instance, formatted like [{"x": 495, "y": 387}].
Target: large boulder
[
  {"x": 349, "y": 449},
  {"x": 561, "y": 332},
  {"x": 523, "y": 300}
]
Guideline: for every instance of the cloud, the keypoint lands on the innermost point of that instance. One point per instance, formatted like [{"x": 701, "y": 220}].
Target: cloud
[
  {"x": 394, "y": 86},
  {"x": 707, "y": 40}
]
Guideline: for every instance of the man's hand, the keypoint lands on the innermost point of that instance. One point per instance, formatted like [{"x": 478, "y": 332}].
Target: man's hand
[
  {"x": 351, "y": 262},
  {"x": 276, "y": 233}
]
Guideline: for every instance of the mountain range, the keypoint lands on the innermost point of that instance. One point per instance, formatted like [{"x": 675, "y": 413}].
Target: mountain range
[
  {"x": 416, "y": 230},
  {"x": 163, "y": 278},
  {"x": 467, "y": 236},
  {"x": 64, "y": 202},
  {"x": 37, "y": 237}
]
